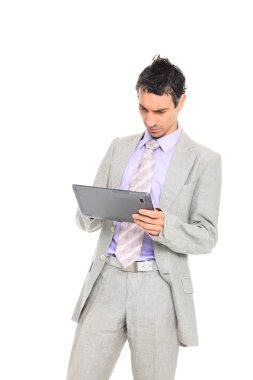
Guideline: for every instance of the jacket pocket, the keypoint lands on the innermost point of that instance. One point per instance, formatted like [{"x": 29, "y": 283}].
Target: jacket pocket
[{"x": 187, "y": 284}]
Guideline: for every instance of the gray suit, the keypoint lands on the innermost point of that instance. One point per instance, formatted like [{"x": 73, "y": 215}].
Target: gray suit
[{"x": 190, "y": 201}]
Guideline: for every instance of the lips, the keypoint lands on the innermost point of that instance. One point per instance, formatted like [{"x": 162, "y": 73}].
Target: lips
[{"x": 154, "y": 129}]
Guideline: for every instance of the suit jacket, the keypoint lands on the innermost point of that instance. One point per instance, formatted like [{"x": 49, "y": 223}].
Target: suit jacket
[{"x": 190, "y": 202}]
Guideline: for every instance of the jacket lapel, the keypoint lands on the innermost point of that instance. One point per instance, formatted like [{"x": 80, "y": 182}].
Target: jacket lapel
[{"x": 180, "y": 165}]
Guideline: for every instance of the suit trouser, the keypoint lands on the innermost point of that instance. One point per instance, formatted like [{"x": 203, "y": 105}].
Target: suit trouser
[{"x": 137, "y": 307}]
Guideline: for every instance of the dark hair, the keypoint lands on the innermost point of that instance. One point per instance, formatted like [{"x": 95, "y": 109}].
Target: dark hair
[{"x": 162, "y": 77}]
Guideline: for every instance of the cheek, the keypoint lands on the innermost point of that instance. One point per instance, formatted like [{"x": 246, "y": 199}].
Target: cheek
[
  {"x": 170, "y": 118},
  {"x": 165, "y": 120}
]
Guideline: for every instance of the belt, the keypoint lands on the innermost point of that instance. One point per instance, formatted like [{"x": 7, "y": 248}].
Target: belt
[{"x": 136, "y": 266}]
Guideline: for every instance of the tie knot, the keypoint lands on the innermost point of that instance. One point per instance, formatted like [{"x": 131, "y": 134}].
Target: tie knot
[{"x": 152, "y": 144}]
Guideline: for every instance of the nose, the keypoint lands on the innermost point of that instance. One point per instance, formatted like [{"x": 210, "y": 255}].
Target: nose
[{"x": 150, "y": 120}]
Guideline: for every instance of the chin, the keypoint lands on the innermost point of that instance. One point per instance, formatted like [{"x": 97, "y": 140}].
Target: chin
[{"x": 156, "y": 134}]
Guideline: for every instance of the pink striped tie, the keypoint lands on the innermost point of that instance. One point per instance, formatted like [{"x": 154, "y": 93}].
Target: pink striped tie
[{"x": 131, "y": 235}]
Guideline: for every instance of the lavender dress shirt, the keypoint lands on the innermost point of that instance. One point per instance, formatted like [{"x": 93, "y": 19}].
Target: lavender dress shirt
[{"x": 162, "y": 157}]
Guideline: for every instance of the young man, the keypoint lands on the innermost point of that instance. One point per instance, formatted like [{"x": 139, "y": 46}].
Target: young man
[{"x": 139, "y": 286}]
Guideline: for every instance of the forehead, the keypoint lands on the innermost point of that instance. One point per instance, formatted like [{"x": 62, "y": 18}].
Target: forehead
[{"x": 153, "y": 101}]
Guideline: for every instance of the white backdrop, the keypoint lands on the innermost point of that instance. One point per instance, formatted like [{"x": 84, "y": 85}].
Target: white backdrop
[{"x": 68, "y": 71}]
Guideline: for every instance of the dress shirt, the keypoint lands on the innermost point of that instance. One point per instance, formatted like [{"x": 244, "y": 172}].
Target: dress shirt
[{"x": 162, "y": 157}]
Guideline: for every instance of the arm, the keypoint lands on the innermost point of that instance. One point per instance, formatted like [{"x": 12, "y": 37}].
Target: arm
[
  {"x": 200, "y": 234},
  {"x": 101, "y": 180},
  {"x": 86, "y": 223}
]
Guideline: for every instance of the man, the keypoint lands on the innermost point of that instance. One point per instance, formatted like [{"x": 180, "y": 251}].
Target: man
[{"x": 139, "y": 286}]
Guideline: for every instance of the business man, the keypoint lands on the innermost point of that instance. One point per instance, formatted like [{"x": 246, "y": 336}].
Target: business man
[{"x": 138, "y": 287}]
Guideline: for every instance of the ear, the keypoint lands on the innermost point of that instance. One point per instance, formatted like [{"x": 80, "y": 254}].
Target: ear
[{"x": 181, "y": 102}]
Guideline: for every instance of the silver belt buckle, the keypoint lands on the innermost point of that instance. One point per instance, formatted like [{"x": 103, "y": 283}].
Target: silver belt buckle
[
  {"x": 145, "y": 266},
  {"x": 139, "y": 266}
]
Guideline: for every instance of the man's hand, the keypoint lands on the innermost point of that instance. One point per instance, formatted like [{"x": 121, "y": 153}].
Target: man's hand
[{"x": 151, "y": 221}]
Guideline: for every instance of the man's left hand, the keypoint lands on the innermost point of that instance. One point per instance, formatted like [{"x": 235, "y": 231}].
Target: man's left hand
[{"x": 151, "y": 221}]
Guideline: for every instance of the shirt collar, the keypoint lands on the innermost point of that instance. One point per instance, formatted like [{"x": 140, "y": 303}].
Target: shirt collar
[{"x": 166, "y": 142}]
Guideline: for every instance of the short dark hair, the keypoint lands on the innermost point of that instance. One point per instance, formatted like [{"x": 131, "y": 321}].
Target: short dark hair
[{"x": 162, "y": 77}]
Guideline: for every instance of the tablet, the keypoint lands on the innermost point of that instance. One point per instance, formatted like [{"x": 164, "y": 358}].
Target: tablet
[{"x": 112, "y": 204}]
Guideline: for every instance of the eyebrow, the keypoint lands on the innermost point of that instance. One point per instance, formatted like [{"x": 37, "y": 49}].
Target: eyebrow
[{"x": 160, "y": 109}]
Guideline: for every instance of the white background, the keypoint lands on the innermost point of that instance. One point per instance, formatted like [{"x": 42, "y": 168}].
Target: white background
[{"x": 68, "y": 71}]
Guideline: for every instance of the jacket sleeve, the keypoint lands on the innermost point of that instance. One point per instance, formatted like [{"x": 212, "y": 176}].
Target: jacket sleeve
[
  {"x": 200, "y": 234},
  {"x": 87, "y": 223}
]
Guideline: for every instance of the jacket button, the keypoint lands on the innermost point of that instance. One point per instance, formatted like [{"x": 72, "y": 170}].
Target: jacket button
[
  {"x": 102, "y": 257},
  {"x": 112, "y": 228}
]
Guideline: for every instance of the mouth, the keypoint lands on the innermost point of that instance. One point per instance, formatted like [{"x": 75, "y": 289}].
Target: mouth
[{"x": 154, "y": 130}]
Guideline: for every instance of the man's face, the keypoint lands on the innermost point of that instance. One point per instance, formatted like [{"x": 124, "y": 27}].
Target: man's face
[{"x": 159, "y": 113}]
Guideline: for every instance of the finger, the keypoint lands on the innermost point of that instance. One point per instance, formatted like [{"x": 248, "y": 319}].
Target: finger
[
  {"x": 147, "y": 219},
  {"x": 154, "y": 233},
  {"x": 156, "y": 214},
  {"x": 149, "y": 227}
]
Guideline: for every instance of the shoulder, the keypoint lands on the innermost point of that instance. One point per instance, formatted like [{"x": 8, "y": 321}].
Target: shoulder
[
  {"x": 129, "y": 138},
  {"x": 123, "y": 143},
  {"x": 203, "y": 157},
  {"x": 203, "y": 152}
]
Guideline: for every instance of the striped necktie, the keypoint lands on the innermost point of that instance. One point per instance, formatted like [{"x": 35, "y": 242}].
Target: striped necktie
[{"x": 131, "y": 235}]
